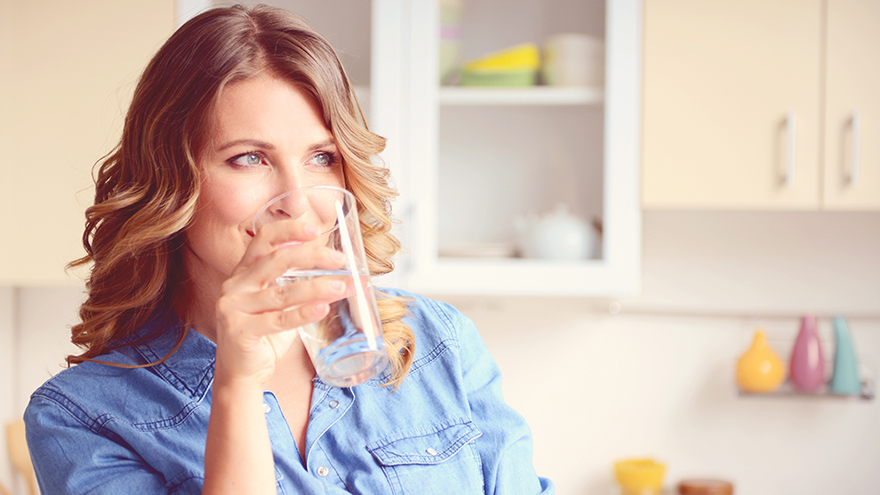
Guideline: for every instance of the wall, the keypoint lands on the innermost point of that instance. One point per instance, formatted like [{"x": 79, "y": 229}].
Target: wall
[
  {"x": 597, "y": 388},
  {"x": 8, "y": 409},
  {"x": 656, "y": 379}
]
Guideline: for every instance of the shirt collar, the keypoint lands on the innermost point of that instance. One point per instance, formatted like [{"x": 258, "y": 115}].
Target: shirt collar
[{"x": 191, "y": 367}]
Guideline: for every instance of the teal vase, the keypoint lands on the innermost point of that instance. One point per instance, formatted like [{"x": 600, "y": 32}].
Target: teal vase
[{"x": 845, "y": 379}]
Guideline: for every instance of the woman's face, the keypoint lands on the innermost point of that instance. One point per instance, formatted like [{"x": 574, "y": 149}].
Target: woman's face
[{"x": 268, "y": 138}]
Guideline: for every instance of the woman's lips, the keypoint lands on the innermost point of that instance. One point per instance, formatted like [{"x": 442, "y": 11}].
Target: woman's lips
[{"x": 286, "y": 244}]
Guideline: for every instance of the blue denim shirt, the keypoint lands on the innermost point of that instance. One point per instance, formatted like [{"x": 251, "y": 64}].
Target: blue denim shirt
[{"x": 97, "y": 429}]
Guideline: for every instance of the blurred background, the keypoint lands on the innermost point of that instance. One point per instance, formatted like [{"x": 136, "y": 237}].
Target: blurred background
[{"x": 619, "y": 194}]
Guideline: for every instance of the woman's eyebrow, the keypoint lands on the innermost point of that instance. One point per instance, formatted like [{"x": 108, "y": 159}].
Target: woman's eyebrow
[
  {"x": 262, "y": 144},
  {"x": 324, "y": 144},
  {"x": 251, "y": 142}
]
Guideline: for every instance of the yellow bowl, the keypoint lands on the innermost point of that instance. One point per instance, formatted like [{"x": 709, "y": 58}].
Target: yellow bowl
[
  {"x": 525, "y": 56},
  {"x": 639, "y": 474}
]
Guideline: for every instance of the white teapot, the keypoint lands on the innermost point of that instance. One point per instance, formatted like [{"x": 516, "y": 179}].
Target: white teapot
[{"x": 557, "y": 235}]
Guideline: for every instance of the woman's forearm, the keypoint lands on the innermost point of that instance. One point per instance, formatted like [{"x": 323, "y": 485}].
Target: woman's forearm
[{"x": 238, "y": 452}]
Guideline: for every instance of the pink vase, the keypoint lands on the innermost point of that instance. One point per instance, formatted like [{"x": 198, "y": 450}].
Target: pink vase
[{"x": 807, "y": 362}]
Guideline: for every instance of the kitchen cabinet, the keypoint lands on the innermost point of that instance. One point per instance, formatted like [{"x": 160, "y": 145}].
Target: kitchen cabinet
[
  {"x": 761, "y": 105},
  {"x": 852, "y": 105},
  {"x": 69, "y": 70},
  {"x": 469, "y": 161}
]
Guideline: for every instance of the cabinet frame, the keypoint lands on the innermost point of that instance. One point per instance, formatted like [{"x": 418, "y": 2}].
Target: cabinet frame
[{"x": 407, "y": 111}]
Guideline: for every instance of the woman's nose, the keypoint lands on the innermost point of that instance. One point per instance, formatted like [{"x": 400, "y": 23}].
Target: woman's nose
[{"x": 293, "y": 204}]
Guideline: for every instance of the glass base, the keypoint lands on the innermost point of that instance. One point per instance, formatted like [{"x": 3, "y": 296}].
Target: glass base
[{"x": 355, "y": 369}]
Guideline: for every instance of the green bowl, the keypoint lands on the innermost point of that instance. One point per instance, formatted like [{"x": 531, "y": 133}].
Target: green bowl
[{"x": 512, "y": 77}]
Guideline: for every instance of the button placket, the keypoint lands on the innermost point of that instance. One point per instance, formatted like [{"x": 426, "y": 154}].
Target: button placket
[{"x": 326, "y": 411}]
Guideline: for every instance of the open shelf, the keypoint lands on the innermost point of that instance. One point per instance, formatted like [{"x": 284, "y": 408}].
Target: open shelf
[
  {"x": 531, "y": 95},
  {"x": 787, "y": 390}
]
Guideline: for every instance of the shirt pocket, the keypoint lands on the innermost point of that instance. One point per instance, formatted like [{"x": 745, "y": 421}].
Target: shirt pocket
[{"x": 433, "y": 460}]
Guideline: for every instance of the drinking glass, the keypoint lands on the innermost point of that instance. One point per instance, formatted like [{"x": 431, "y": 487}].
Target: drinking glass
[{"x": 346, "y": 346}]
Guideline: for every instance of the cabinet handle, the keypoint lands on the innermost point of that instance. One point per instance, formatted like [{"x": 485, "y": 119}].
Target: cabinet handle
[
  {"x": 856, "y": 127},
  {"x": 791, "y": 133}
]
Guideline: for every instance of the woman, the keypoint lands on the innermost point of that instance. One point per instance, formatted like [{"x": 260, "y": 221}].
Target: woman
[{"x": 190, "y": 381}]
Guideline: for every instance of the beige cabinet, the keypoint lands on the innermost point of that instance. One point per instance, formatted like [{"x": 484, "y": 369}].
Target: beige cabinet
[
  {"x": 852, "y": 105},
  {"x": 69, "y": 69},
  {"x": 749, "y": 104}
]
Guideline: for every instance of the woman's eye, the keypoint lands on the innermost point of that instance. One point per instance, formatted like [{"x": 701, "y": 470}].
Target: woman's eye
[
  {"x": 323, "y": 159},
  {"x": 248, "y": 159}
]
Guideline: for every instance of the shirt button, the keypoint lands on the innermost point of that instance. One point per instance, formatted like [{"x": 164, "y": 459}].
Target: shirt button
[
  {"x": 266, "y": 408},
  {"x": 333, "y": 404},
  {"x": 323, "y": 471},
  {"x": 431, "y": 451}
]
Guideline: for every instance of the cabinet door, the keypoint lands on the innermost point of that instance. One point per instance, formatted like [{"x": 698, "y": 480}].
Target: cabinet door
[
  {"x": 475, "y": 156},
  {"x": 731, "y": 104},
  {"x": 852, "y": 105},
  {"x": 69, "y": 70}
]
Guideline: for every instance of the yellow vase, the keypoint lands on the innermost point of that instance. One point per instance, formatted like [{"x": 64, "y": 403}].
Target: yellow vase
[{"x": 760, "y": 370}]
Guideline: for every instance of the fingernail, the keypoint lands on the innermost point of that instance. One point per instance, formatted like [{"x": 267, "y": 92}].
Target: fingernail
[
  {"x": 321, "y": 308},
  {"x": 311, "y": 229},
  {"x": 337, "y": 256},
  {"x": 337, "y": 285}
]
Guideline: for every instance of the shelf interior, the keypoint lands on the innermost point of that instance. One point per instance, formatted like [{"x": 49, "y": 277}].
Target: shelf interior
[{"x": 501, "y": 164}]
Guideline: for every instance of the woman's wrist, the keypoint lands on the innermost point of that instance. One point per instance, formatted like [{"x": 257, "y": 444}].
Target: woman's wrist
[
  {"x": 226, "y": 383},
  {"x": 238, "y": 456}
]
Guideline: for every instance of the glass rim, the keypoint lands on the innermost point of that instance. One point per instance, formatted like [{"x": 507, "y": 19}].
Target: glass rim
[{"x": 345, "y": 193}]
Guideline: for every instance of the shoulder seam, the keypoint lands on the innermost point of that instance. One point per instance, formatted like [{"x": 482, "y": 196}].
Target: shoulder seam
[
  {"x": 431, "y": 356},
  {"x": 74, "y": 410},
  {"x": 444, "y": 317}
]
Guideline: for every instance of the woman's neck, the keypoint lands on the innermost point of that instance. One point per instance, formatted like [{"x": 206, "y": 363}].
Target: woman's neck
[{"x": 197, "y": 307}]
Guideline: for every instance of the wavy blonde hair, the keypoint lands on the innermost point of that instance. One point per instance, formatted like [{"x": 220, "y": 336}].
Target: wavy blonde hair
[{"x": 148, "y": 187}]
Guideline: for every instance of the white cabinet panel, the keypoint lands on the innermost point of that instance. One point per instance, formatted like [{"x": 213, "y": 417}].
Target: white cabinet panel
[{"x": 476, "y": 158}]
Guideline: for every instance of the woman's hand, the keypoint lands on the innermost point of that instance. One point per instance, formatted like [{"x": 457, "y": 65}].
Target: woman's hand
[{"x": 256, "y": 318}]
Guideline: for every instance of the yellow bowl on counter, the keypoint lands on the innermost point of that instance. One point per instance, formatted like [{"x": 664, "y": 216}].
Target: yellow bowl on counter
[{"x": 640, "y": 475}]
